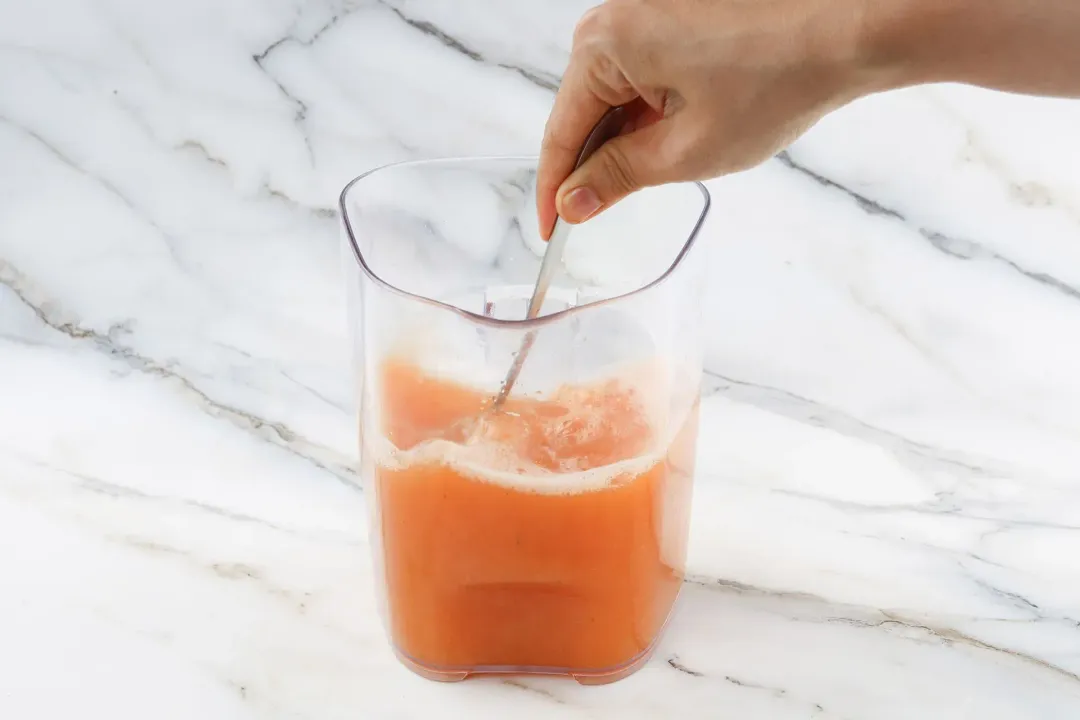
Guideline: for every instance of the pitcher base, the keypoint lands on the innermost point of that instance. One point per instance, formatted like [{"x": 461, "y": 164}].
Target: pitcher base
[{"x": 583, "y": 677}]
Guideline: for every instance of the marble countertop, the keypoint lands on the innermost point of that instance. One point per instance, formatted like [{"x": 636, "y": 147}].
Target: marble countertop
[{"x": 887, "y": 510}]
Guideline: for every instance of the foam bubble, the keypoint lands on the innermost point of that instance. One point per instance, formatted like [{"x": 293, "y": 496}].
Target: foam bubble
[
  {"x": 494, "y": 463},
  {"x": 582, "y": 438}
]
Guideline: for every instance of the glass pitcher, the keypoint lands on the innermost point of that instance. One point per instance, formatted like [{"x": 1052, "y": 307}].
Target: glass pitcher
[{"x": 549, "y": 535}]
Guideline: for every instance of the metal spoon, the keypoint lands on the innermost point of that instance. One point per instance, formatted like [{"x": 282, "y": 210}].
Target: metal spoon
[{"x": 607, "y": 128}]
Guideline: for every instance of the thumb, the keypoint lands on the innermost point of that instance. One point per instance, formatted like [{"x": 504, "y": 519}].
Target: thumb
[{"x": 618, "y": 168}]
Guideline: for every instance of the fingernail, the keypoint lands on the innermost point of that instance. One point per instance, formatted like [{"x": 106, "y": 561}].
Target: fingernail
[{"x": 580, "y": 204}]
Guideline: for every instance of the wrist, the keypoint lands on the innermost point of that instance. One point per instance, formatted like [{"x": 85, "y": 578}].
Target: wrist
[{"x": 903, "y": 43}]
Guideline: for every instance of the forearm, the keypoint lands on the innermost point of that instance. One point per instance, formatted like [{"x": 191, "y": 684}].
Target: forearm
[{"x": 1024, "y": 46}]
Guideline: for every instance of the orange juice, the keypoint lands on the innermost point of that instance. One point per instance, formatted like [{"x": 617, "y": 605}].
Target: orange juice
[{"x": 554, "y": 539}]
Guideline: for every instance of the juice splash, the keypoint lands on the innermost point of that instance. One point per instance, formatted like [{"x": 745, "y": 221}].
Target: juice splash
[{"x": 554, "y": 540}]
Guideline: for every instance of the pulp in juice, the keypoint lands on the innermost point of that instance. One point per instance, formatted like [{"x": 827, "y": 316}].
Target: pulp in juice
[{"x": 552, "y": 539}]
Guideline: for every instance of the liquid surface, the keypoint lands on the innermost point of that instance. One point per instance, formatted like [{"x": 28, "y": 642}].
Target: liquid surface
[{"x": 554, "y": 538}]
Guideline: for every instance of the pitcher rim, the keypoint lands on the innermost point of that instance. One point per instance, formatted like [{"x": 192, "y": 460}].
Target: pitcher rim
[{"x": 523, "y": 324}]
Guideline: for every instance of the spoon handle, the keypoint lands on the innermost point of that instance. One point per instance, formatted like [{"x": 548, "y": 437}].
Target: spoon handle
[{"x": 607, "y": 128}]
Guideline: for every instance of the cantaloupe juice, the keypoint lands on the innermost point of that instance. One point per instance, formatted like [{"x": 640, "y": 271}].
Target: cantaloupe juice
[{"x": 553, "y": 538}]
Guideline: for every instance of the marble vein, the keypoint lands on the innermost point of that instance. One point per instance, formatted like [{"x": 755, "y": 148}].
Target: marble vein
[
  {"x": 272, "y": 431},
  {"x": 959, "y": 248},
  {"x": 335, "y": 18},
  {"x": 817, "y": 414},
  {"x": 109, "y": 489},
  {"x": 949, "y": 636},
  {"x": 887, "y": 508},
  {"x": 301, "y": 108},
  {"x": 673, "y": 661},
  {"x": 878, "y": 619},
  {"x": 538, "y": 78},
  {"x": 171, "y": 243}
]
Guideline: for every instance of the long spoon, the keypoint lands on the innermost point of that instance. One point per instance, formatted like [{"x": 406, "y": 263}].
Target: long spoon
[{"x": 607, "y": 128}]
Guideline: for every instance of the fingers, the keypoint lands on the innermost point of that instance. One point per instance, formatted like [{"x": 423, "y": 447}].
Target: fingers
[
  {"x": 577, "y": 109},
  {"x": 621, "y": 166},
  {"x": 593, "y": 83}
]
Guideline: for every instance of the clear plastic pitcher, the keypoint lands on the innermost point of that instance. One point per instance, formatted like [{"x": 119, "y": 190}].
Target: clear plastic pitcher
[{"x": 548, "y": 536}]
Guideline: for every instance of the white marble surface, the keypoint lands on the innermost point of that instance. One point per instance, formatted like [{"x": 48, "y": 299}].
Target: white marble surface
[{"x": 887, "y": 517}]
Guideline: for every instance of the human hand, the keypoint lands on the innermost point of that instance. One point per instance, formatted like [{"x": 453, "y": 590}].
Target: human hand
[{"x": 712, "y": 86}]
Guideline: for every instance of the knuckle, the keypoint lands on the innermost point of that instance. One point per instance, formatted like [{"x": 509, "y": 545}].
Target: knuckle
[
  {"x": 555, "y": 142},
  {"x": 626, "y": 20},
  {"x": 589, "y": 24},
  {"x": 607, "y": 25},
  {"x": 612, "y": 39},
  {"x": 617, "y": 166},
  {"x": 606, "y": 80}
]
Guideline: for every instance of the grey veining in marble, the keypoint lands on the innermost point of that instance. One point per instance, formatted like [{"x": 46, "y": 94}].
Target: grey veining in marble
[{"x": 887, "y": 509}]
